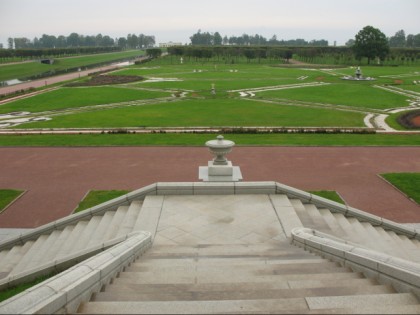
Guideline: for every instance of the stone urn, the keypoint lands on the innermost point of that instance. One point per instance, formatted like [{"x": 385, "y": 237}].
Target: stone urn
[{"x": 219, "y": 148}]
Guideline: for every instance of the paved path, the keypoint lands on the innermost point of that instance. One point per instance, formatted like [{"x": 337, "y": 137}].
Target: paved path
[
  {"x": 52, "y": 80},
  {"x": 56, "y": 179}
]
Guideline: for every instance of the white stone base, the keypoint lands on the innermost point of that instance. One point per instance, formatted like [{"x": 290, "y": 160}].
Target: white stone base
[{"x": 219, "y": 173}]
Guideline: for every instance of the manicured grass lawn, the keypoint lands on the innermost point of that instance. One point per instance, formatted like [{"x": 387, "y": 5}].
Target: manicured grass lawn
[
  {"x": 206, "y": 112},
  {"x": 357, "y": 95},
  {"x": 408, "y": 183},
  {"x": 200, "y": 139},
  {"x": 78, "y": 97},
  {"x": 329, "y": 194},
  {"x": 7, "y": 196},
  {"x": 96, "y": 197}
]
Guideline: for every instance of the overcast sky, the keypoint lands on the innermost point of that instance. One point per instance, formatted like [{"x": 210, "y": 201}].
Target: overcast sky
[{"x": 177, "y": 20}]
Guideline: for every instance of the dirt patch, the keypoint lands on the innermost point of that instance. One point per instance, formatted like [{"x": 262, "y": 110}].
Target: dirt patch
[
  {"x": 319, "y": 78},
  {"x": 398, "y": 82},
  {"x": 410, "y": 120},
  {"x": 107, "y": 80}
]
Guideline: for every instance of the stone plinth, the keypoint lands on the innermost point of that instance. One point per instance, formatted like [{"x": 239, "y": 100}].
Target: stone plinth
[{"x": 220, "y": 169}]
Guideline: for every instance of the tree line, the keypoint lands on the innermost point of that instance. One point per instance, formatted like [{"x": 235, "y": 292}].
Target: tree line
[
  {"x": 215, "y": 39},
  {"x": 132, "y": 41}
]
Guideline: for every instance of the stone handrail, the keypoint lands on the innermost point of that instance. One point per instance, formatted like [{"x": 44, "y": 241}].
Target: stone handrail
[
  {"x": 404, "y": 275},
  {"x": 64, "y": 292},
  {"x": 58, "y": 265}
]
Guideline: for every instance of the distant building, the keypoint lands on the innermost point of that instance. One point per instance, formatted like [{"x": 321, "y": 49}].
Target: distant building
[{"x": 169, "y": 44}]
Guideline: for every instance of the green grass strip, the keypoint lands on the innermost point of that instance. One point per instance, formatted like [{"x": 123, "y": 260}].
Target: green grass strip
[
  {"x": 8, "y": 293},
  {"x": 200, "y": 139},
  {"x": 408, "y": 183},
  {"x": 7, "y": 196},
  {"x": 329, "y": 194},
  {"x": 96, "y": 197}
]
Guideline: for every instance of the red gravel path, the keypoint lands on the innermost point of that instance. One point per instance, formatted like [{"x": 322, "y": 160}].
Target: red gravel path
[{"x": 56, "y": 179}]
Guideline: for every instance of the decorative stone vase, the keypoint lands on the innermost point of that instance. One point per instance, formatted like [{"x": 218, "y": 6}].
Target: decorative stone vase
[{"x": 219, "y": 148}]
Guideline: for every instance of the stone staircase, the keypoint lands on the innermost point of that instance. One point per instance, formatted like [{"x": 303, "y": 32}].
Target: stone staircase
[
  {"x": 216, "y": 252},
  {"x": 357, "y": 231},
  {"x": 237, "y": 278},
  {"x": 71, "y": 239}
]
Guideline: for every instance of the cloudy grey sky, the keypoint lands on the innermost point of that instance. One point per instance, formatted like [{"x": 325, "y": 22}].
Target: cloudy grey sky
[{"x": 177, "y": 20}]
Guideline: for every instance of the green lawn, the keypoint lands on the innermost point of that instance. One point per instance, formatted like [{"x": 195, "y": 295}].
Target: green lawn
[
  {"x": 205, "y": 112},
  {"x": 96, "y": 197},
  {"x": 357, "y": 95},
  {"x": 408, "y": 183},
  {"x": 78, "y": 97},
  {"x": 329, "y": 194},
  {"x": 200, "y": 139},
  {"x": 7, "y": 196}
]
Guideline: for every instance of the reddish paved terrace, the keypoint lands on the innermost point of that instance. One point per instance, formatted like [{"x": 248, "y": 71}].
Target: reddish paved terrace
[{"x": 56, "y": 179}]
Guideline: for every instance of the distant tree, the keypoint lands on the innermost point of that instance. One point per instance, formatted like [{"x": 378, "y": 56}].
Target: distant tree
[
  {"x": 349, "y": 43},
  {"x": 73, "y": 40},
  {"x": 10, "y": 43},
  {"x": 370, "y": 42},
  {"x": 398, "y": 40},
  {"x": 225, "y": 40},
  {"x": 217, "y": 39},
  {"x": 154, "y": 52}
]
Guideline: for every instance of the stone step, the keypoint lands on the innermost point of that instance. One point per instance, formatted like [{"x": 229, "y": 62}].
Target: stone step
[
  {"x": 72, "y": 239},
  {"x": 97, "y": 236},
  {"x": 286, "y": 213},
  {"x": 361, "y": 301},
  {"x": 58, "y": 244},
  {"x": 228, "y": 267},
  {"x": 148, "y": 218},
  {"x": 85, "y": 235},
  {"x": 43, "y": 251},
  {"x": 204, "y": 261},
  {"x": 336, "y": 304},
  {"x": 119, "y": 284},
  {"x": 268, "y": 250},
  {"x": 304, "y": 217},
  {"x": 32, "y": 252},
  {"x": 130, "y": 219},
  {"x": 351, "y": 233},
  {"x": 217, "y": 277},
  {"x": 114, "y": 225},
  {"x": 317, "y": 218},
  {"x": 244, "y": 293},
  {"x": 332, "y": 223},
  {"x": 13, "y": 256}
]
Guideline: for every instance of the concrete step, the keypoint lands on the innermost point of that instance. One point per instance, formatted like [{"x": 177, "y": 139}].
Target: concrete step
[
  {"x": 361, "y": 301},
  {"x": 119, "y": 284},
  {"x": 243, "y": 293},
  {"x": 332, "y": 223},
  {"x": 97, "y": 235},
  {"x": 246, "y": 250},
  {"x": 307, "y": 305},
  {"x": 39, "y": 256},
  {"x": 304, "y": 217},
  {"x": 114, "y": 225},
  {"x": 58, "y": 244},
  {"x": 13, "y": 256},
  {"x": 86, "y": 234},
  {"x": 221, "y": 276},
  {"x": 130, "y": 219},
  {"x": 148, "y": 218},
  {"x": 286, "y": 213},
  {"x": 350, "y": 230},
  {"x": 216, "y": 261},
  {"x": 27, "y": 258},
  {"x": 72, "y": 239},
  {"x": 317, "y": 218}
]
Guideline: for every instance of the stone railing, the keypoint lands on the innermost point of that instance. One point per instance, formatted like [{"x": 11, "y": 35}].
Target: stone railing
[
  {"x": 402, "y": 274},
  {"x": 64, "y": 292}
]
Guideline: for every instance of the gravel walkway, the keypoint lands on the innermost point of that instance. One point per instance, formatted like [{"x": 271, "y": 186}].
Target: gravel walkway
[{"x": 56, "y": 179}]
